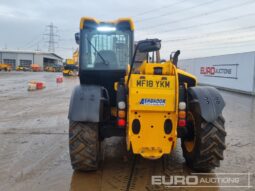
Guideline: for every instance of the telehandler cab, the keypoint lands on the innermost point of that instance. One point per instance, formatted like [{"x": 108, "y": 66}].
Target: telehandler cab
[{"x": 151, "y": 105}]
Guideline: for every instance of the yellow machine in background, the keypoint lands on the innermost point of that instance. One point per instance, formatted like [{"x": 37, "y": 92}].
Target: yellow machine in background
[
  {"x": 151, "y": 103},
  {"x": 23, "y": 68},
  {"x": 53, "y": 68},
  {"x": 70, "y": 61},
  {"x": 70, "y": 68},
  {"x": 5, "y": 67}
]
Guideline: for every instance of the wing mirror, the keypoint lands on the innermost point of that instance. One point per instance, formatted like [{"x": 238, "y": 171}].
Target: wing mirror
[
  {"x": 149, "y": 45},
  {"x": 77, "y": 38}
]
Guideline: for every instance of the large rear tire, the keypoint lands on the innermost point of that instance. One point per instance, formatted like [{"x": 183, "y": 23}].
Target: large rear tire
[
  {"x": 203, "y": 150},
  {"x": 84, "y": 145}
]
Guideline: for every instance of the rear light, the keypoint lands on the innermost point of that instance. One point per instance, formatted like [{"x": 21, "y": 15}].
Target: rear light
[
  {"x": 121, "y": 105},
  {"x": 182, "y": 114},
  {"x": 121, "y": 114},
  {"x": 182, "y": 106},
  {"x": 121, "y": 122},
  {"x": 182, "y": 123}
]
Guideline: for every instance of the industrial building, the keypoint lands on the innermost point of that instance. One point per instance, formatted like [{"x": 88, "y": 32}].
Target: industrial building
[
  {"x": 233, "y": 71},
  {"x": 27, "y": 58}
]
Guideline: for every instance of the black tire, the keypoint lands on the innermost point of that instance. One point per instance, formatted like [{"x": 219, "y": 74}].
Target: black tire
[
  {"x": 84, "y": 146},
  {"x": 207, "y": 141}
]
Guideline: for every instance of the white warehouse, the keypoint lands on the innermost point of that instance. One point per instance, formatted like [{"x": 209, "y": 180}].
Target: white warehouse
[
  {"x": 233, "y": 71},
  {"x": 26, "y": 58}
]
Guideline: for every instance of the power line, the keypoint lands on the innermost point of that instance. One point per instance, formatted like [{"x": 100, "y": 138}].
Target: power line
[
  {"x": 201, "y": 14},
  {"x": 177, "y": 11},
  {"x": 35, "y": 43},
  {"x": 209, "y": 34},
  {"x": 245, "y": 44},
  {"x": 159, "y": 8},
  {"x": 216, "y": 45},
  {"x": 205, "y": 24},
  {"x": 67, "y": 39},
  {"x": 225, "y": 40},
  {"x": 66, "y": 48},
  {"x": 28, "y": 43}
]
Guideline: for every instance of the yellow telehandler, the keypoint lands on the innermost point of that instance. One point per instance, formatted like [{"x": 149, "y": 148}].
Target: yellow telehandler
[{"x": 151, "y": 104}]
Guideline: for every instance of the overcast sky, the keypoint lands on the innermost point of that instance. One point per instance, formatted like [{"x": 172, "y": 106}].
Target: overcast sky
[{"x": 196, "y": 27}]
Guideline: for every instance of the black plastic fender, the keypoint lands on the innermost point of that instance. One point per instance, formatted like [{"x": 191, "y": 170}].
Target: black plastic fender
[
  {"x": 210, "y": 101},
  {"x": 86, "y": 103}
]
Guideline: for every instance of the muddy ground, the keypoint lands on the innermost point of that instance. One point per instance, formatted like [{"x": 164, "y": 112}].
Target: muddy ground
[{"x": 34, "y": 143}]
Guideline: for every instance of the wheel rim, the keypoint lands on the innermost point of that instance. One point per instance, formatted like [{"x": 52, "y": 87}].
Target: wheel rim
[{"x": 190, "y": 143}]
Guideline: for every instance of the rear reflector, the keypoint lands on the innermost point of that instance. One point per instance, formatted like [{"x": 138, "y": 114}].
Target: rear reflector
[
  {"x": 121, "y": 122},
  {"x": 182, "y": 123}
]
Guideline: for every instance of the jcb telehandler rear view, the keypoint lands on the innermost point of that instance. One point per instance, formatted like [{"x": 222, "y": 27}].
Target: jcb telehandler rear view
[{"x": 151, "y": 105}]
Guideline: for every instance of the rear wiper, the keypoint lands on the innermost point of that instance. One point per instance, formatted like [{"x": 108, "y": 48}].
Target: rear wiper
[{"x": 104, "y": 61}]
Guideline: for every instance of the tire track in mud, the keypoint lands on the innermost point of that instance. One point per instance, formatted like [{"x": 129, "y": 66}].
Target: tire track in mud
[
  {"x": 132, "y": 174},
  {"x": 121, "y": 171},
  {"x": 141, "y": 179}
]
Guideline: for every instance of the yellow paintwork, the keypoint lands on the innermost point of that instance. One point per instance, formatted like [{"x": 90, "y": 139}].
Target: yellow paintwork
[
  {"x": 132, "y": 26},
  {"x": 152, "y": 142},
  {"x": 179, "y": 71},
  {"x": 68, "y": 73},
  {"x": 167, "y": 68},
  {"x": 19, "y": 68},
  {"x": 87, "y": 19},
  {"x": 69, "y": 61},
  {"x": 76, "y": 57}
]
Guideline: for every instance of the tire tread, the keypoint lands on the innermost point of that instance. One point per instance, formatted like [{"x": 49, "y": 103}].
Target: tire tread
[
  {"x": 84, "y": 146},
  {"x": 210, "y": 148}
]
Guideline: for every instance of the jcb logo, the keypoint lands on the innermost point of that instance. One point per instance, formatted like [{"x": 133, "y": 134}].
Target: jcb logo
[{"x": 151, "y": 83}]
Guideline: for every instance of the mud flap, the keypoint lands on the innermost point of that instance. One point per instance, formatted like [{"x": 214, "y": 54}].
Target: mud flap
[
  {"x": 86, "y": 103},
  {"x": 210, "y": 101}
]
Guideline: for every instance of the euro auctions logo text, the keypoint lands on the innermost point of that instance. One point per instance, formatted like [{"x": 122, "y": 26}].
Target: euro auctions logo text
[
  {"x": 175, "y": 180},
  {"x": 214, "y": 70},
  {"x": 204, "y": 180},
  {"x": 220, "y": 71}
]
